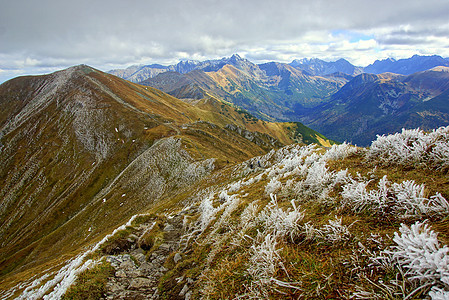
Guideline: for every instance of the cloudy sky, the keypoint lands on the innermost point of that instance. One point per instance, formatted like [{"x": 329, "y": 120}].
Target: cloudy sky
[{"x": 42, "y": 36}]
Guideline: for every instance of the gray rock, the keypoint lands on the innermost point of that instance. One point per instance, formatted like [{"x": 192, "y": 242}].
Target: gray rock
[
  {"x": 120, "y": 274},
  {"x": 165, "y": 247},
  {"x": 127, "y": 264},
  {"x": 169, "y": 227},
  {"x": 188, "y": 295},
  {"x": 140, "y": 257},
  {"x": 114, "y": 287},
  {"x": 177, "y": 258},
  {"x": 139, "y": 283},
  {"x": 146, "y": 269},
  {"x": 132, "y": 273},
  {"x": 184, "y": 290}
]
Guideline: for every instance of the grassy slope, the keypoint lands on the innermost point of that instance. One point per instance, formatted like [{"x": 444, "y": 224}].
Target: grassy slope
[
  {"x": 321, "y": 269},
  {"x": 218, "y": 258}
]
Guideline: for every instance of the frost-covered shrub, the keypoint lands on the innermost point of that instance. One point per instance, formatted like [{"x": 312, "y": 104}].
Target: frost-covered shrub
[
  {"x": 412, "y": 147},
  {"x": 404, "y": 200},
  {"x": 440, "y": 155},
  {"x": 264, "y": 265},
  {"x": 356, "y": 196},
  {"x": 335, "y": 231},
  {"x": 399, "y": 148},
  {"x": 265, "y": 259},
  {"x": 273, "y": 186},
  {"x": 231, "y": 205},
  {"x": 319, "y": 181},
  {"x": 410, "y": 200},
  {"x": 282, "y": 223},
  {"x": 439, "y": 294},
  {"x": 207, "y": 211},
  {"x": 341, "y": 151},
  {"x": 234, "y": 187},
  {"x": 317, "y": 176},
  {"x": 419, "y": 254}
]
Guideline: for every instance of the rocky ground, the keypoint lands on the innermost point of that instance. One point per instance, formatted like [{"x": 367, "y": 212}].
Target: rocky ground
[{"x": 137, "y": 275}]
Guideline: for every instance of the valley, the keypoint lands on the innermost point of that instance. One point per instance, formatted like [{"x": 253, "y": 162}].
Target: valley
[{"x": 335, "y": 98}]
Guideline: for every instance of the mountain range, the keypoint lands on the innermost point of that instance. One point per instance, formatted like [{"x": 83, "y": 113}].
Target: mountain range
[
  {"x": 342, "y": 101},
  {"x": 310, "y": 66}
]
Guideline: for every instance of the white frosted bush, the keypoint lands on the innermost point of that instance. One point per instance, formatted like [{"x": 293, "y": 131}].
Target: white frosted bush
[
  {"x": 248, "y": 215},
  {"x": 265, "y": 259},
  {"x": 439, "y": 294},
  {"x": 318, "y": 176},
  {"x": 231, "y": 204},
  {"x": 335, "y": 231},
  {"x": 438, "y": 205},
  {"x": 412, "y": 147},
  {"x": 282, "y": 223},
  {"x": 273, "y": 186},
  {"x": 264, "y": 264},
  {"x": 419, "y": 253},
  {"x": 410, "y": 197},
  {"x": 440, "y": 155},
  {"x": 234, "y": 187},
  {"x": 405, "y": 200},
  {"x": 207, "y": 211},
  {"x": 356, "y": 196},
  {"x": 341, "y": 151},
  {"x": 332, "y": 232},
  {"x": 319, "y": 180}
]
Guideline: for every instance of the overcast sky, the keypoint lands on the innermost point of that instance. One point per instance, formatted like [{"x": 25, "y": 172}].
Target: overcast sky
[{"x": 38, "y": 36}]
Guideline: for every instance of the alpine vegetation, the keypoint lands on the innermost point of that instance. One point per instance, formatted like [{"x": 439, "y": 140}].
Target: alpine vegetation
[
  {"x": 304, "y": 222},
  {"x": 421, "y": 261},
  {"x": 412, "y": 147},
  {"x": 419, "y": 254},
  {"x": 403, "y": 200},
  {"x": 277, "y": 231}
]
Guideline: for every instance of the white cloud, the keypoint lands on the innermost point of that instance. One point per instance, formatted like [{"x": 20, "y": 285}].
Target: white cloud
[{"x": 51, "y": 34}]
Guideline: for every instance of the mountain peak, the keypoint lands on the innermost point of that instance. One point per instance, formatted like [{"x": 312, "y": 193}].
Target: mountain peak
[{"x": 236, "y": 57}]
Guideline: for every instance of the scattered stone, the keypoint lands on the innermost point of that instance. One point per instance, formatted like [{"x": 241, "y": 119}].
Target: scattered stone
[
  {"x": 135, "y": 276},
  {"x": 120, "y": 273},
  {"x": 114, "y": 287},
  {"x": 127, "y": 264},
  {"x": 184, "y": 290},
  {"x": 188, "y": 295},
  {"x": 169, "y": 227},
  {"x": 177, "y": 258},
  {"x": 140, "y": 258},
  {"x": 146, "y": 269},
  {"x": 139, "y": 283}
]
